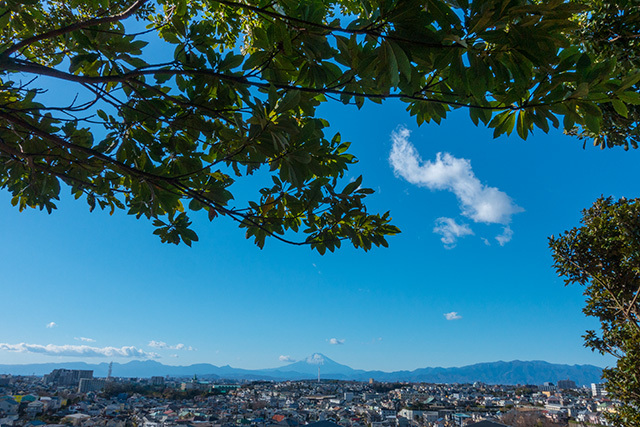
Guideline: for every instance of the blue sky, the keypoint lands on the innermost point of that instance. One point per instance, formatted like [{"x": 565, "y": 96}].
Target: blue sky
[{"x": 103, "y": 286}]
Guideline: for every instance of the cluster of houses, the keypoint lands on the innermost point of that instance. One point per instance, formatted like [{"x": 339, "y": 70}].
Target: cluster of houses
[{"x": 56, "y": 400}]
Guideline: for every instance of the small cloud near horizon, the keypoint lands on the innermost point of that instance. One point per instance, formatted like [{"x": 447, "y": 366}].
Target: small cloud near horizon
[
  {"x": 287, "y": 359},
  {"x": 79, "y": 350},
  {"x": 51, "y": 325},
  {"x": 336, "y": 341},
  {"x": 84, "y": 339},
  {"x": 164, "y": 345},
  {"x": 452, "y": 316}
]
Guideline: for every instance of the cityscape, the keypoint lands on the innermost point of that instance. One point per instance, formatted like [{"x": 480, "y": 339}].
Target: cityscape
[{"x": 75, "y": 397}]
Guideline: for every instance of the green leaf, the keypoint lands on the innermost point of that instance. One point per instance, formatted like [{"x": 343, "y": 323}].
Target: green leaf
[
  {"x": 388, "y": 63},
  {"x": 522, "y": 128},
  {"x": 629, "y": 81},
  {"x": 352, "y": 186},
  {"x": 620, "y": 107},
  {"x": 231, "y": 61},
  {"x": 629, "y": 97},
  {"x": 290, "y": 101},
  {"x": 509, "y": 124},
  {"x": 592, "y": 122},
  {"x": 404, "y": 65}
]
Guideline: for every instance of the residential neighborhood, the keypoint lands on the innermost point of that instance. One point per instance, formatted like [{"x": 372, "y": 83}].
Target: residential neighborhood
[{"x": 67, "y": 397}]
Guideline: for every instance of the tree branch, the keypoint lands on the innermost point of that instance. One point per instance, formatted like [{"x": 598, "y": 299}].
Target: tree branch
[
  {"x": 29, "y": 67},
  {"x": 73, "y": 27},
  {"x": 157, "y": 179},
  {"x": 619, "y": 306}
]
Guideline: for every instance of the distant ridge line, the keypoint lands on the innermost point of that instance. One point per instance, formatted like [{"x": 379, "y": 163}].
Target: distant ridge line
[{"x": 500, "y": 372}]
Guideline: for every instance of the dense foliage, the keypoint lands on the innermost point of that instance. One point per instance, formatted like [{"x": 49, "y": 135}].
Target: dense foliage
[
  {"x": 160, "y": 107},
  {"x": 115, "y": 389},
  {"x": 611, "y": 29},
  {"x": 603, "y": 256}
]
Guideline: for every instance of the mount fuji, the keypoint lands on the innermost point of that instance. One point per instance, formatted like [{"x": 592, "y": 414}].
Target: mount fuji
[{"x": 310, "y": 365}]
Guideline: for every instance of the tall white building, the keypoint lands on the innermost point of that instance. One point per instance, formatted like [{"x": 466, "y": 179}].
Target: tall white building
[{"x": 597, "y": 390}]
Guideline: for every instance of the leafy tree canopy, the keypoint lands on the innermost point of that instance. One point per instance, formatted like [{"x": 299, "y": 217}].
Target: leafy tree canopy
[
  {"x": 611, "y": 29},
  {"x": 603, "y": 256},
  {"x": 161, "y": 106}
]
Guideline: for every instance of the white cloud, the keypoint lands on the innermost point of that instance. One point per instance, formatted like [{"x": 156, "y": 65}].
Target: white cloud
[
  {"x": 336, "y": 341},
  {"x": 51, "y": 325},
  {"x": 287, "y": 359},
  {"x": 158, "y": 344},
  {"x": 452, "y": 316},
  {"x": 84, "y": 339},
  {"x": 315, "y": 359},
  {"x": 164, "y": 345},
  {"x": 478, "y": 201},
  {"x": 451, "y": 231},
  {"x": 78, "y": 350},
  {"x": 505, "y": 237}
]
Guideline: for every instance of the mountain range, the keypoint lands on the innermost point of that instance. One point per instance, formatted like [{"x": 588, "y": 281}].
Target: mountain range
[{"x": 514, "y": 372}]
